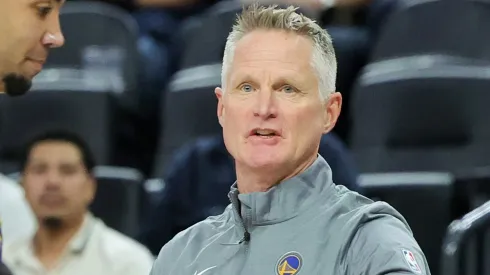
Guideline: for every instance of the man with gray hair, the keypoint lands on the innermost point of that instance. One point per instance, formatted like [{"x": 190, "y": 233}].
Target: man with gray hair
[{"x": 286, "y": 215}]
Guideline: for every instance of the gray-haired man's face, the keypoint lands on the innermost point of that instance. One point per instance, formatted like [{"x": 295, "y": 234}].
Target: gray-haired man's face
[{"x": 272, "y": 87}]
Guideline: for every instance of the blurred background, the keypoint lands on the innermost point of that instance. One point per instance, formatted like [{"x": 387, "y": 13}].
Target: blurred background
[{"x": 135, "y": 80}]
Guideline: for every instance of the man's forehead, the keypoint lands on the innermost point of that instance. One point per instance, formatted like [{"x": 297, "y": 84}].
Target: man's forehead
[
  {"x": 53, "y": 148},
  {"x": 72, "y": 161},
  {"x": 273, "y": 44},
  {"x": 291, "y": 55}
]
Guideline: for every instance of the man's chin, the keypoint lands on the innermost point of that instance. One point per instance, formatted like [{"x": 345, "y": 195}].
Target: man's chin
[
  {"x": 16, "y": 84},
  {"x": 263, "y": 160},
  {"x": 53, "y": 222}
]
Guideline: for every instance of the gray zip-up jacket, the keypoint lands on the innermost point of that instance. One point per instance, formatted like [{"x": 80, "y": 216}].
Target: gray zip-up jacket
[{"x": 305, "y": 225}]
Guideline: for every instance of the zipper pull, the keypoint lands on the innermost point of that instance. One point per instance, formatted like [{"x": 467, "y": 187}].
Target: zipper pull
[{"x": 246, "y": 237}]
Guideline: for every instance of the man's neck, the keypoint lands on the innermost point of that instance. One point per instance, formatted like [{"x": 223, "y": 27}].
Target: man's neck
[
  {"x": 49, "y": 244},
  {"x": 250, "y": 180}
]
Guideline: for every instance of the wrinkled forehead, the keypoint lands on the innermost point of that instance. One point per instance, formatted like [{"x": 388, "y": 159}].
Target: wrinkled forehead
[
  {"x": 286, "y": 45},
  {"x": 272, "y": 51}
]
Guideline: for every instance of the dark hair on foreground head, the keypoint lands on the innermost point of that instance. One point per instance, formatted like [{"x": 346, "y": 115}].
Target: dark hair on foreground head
[{"x": 60, "y": 136}]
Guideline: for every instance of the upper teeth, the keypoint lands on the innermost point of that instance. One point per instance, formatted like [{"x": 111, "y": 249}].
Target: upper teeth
[{"x": 264, "y": 132}]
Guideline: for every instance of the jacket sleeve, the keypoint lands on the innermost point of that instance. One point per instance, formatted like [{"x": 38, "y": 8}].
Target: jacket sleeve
[
  {"x": 385, "y": 246},
  {"x": 167, "y": 258}
]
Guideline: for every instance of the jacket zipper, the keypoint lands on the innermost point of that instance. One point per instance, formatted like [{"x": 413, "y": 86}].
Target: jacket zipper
[{"x": 246, "y": 234}]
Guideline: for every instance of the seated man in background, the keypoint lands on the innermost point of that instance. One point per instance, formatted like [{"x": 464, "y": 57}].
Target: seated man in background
[
  {"x": 286, "y": 215},
  {"x": 59, "y": 186},
  {"x": 199, "y": 178}
]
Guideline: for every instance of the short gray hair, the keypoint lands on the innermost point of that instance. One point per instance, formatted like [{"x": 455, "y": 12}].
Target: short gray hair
[{"x": 273, "y": 18}]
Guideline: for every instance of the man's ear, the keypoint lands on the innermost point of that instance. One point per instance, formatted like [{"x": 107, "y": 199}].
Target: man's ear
[
  {"x": 332, "y": 105},
  {"x": 220, "y": 109}
]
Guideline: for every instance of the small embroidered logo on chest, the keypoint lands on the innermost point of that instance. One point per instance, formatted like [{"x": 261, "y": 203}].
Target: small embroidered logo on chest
[
  {"x": 411, "y": 261},
  {"x": 289, "y": 264}
]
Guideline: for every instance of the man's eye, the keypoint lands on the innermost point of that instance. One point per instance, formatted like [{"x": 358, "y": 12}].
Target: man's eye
[
  {"x": 44, "y": 11},
  {"x": 288, "y": 89},
  {"x": 246, "y": 88}
]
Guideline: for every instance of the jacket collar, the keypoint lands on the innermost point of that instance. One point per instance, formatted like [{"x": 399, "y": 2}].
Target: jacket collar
[{"x": 285, "y": 200}]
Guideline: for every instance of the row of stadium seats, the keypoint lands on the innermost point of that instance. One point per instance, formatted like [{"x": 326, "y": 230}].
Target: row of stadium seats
[{"x": 397, "y": 126}]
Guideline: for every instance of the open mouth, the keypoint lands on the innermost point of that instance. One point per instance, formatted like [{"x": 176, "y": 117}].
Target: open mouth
[{"x": 265, "y": 133}]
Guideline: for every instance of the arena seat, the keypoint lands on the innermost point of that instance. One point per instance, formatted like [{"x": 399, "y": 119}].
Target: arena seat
[
  {"x": 87, "y": 113},
  {"x": 431, "y": 113},
  {"x": 120, "y": 200},
  {"x": 423, "y": 198},
  {"x": 101, "y": 39},
  {"x": 421, "y": 102},
  {"x": 189, "y": 107},
  {"x": 466, "y": 245},
  {"x": 408, "y": 33}
]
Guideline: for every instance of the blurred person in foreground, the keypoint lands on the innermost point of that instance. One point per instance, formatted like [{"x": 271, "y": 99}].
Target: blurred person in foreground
[
  {"x": 286, "y": 214},
  {"x": 28, "y": 29},
  {"x": 59, "y": 185}
]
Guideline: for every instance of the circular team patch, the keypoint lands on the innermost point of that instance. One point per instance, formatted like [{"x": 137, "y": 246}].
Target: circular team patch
[
  {"x": 411, "y": 261},
  {"x": 289, "y": 264}
]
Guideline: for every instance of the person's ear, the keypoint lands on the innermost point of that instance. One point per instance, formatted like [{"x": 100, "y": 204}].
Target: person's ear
[
  {"x": 333, "y": 105},
  {"x": 220, "y": 108}
]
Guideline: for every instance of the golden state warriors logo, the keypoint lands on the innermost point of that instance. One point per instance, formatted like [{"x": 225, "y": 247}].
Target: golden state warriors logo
[{"x": 289, "y": 264}]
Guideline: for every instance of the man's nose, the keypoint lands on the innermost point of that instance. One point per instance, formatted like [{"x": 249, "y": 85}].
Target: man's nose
[
  {"x": 265, "y": 106},
  {"x": 53, "y": 179},
  {"x": 53, "y": 40}
]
